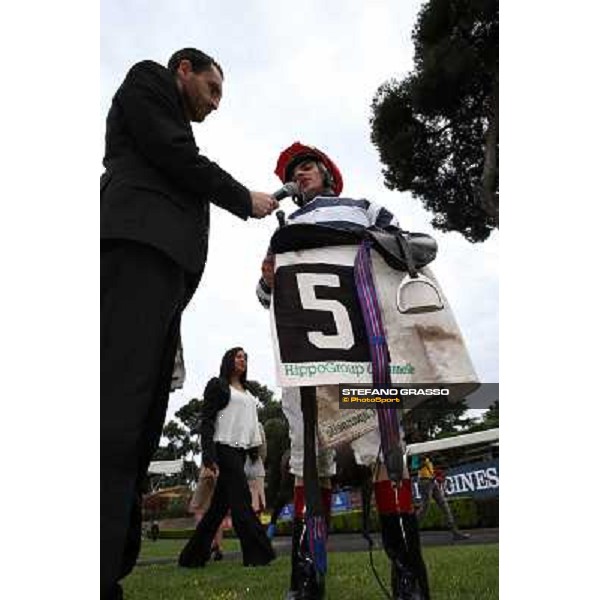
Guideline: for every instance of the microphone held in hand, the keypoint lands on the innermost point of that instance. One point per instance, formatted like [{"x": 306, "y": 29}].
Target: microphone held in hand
[{"x": 289, "y": 189}]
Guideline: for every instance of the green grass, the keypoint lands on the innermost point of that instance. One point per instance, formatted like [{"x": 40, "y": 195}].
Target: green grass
[
  {"x": 455, "y": 573},
  {"x": 171, "y": 548}
]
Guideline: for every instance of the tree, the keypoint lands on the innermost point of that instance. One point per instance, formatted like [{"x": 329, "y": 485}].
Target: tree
[
  {"x": 179, "y": 440},
  {"x": 189, "y": 414},
  {"x": 271, "y": 410},
  {"x": 179, "y": 444},
  {"x": 262, "y": 392},
  {"x": 490, "y": 419},
  {"x": 182, "y": 441},
  {"x": 435, "y": 419},
  {"x": 278, "y": 441},
  {"x": 271, "y": 415},
  {"x": 437, "y": 130}
]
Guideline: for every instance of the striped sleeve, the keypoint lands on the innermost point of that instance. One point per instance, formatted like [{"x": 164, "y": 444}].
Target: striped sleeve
[
  {"x": 381, "y": 217},
  {"x": 263, "y": 293}
]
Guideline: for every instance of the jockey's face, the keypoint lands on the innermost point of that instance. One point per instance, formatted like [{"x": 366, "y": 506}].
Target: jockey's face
[{"x": 309, "y": 178}]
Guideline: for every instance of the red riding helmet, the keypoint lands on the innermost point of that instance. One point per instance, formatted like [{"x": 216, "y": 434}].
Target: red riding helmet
[{"x": 299, "y": 152}]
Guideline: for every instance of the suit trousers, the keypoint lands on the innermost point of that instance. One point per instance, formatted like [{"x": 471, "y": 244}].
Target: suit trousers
[
  {"x": 231, "y": 493},
  {"x": 143, "y": 293}
]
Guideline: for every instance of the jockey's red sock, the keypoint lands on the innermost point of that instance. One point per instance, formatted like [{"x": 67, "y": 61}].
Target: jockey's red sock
[
  {"x": 405, "y": 502},
  {"x": 299, "y": 501},
  {"x": 390, "y": 501},
  {"x": 326, "y": 502},
  {"x": 385, "y": 497}
]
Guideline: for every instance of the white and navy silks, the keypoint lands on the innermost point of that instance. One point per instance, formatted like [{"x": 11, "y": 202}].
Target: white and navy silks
[
  {"x": 338, "y": 213},
  {"x": 349, "y": 215}
]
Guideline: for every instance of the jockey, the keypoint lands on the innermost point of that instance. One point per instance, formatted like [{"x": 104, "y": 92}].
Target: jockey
[{"x": 320, "y": 184}]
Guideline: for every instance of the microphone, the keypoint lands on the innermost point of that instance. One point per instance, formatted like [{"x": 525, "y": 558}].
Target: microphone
[
  {"x": 289, "y": 189},
  {"x": 281, "y": 218}
]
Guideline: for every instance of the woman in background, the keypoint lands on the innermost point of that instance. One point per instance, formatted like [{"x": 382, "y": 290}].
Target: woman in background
[{"x": 229, "y": 430}]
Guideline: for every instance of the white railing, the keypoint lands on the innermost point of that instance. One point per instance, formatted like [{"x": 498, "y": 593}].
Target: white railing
[{"x": 467, "y": 439}]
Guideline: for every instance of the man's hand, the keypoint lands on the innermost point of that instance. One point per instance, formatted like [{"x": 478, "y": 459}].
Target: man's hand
[{"x": 262, "y": 204}]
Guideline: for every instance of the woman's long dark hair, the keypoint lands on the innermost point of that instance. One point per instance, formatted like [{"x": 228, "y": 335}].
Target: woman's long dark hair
[{"x": 228, "y": 366}]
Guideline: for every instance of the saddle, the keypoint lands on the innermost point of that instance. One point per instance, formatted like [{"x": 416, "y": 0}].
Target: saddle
[{"x": 401, "y": 250}]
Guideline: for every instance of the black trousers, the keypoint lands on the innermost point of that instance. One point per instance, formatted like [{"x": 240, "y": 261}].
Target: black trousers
[
  {"x": 143, "y": 293},
  {"x": 231, "y": 492}
]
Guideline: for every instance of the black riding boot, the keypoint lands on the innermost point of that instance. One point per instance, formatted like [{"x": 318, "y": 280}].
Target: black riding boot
[
  {"x": 400, "y": 537},
  {"x": 297, "y": 526},
  {"x": 304, "y": 584}
]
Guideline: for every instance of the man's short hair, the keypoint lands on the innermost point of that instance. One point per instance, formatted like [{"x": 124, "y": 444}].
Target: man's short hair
[{"x": 200, "y": 61}]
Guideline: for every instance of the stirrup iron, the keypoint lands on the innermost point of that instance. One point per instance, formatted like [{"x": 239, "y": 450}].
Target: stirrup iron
[{"x": 417, "y": 295}]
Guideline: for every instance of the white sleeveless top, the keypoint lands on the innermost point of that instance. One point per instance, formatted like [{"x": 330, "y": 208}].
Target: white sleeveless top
[{"x": 237, "y": 424}]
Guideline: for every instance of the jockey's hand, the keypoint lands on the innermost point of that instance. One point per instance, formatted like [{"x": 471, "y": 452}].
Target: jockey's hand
[
  {"x": 211, "y": 469},
  {"x": 268, "y": 269}
]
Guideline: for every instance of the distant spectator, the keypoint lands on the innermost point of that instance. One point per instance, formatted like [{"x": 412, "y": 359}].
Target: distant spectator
[
  {"x": 199, "y": 504},
  {"x": 255, "y": 473},
  {"x": 431, "y": 483},
  {"x": 154, "y": 531}
]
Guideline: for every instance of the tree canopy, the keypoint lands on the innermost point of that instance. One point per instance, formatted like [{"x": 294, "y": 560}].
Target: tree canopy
[
  {"x": 437, "y": 130},
  {"x": 262, "y": 392},
  {"x": 436, "y": 418}
]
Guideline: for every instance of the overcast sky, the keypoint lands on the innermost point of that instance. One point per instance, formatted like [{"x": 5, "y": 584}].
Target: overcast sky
[{"x": 302, "y": 71}]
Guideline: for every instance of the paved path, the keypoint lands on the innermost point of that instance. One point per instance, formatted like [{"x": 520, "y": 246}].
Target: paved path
[{"x": 354, "y": 542}]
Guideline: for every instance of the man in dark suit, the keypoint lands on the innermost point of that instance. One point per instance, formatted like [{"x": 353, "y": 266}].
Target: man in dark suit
[{"x": 155, "y": 198}]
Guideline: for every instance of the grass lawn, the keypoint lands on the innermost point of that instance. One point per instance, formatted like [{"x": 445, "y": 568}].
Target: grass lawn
[
  {"x": 455, "y": 573},
  {"x": 171, "y": 548}
]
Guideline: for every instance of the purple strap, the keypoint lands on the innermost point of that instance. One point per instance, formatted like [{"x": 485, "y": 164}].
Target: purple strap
[
  {"x": 389, "y": 426},
  {"x": 316, "y": 527}
]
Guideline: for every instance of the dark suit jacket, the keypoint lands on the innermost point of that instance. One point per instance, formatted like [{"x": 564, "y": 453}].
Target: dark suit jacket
[{"x": 157, "y": 187}]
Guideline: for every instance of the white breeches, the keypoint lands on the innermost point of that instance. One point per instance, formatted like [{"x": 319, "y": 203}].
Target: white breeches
[{"x": 366, "y": 447}]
